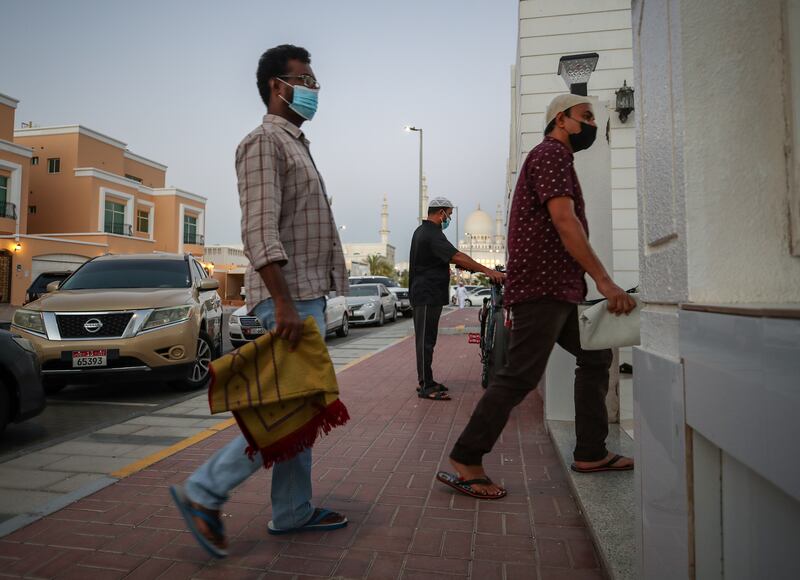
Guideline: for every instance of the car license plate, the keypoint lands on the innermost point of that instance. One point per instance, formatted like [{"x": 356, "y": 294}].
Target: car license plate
[
  {"x": 89, "y": 358},
  {"x": 253, "y": 331}
]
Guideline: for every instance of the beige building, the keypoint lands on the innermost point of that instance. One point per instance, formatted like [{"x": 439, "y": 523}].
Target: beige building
[
  {"x": 484, "y": 239},
  {"x": 75, "y": 193},
  {"x": 227, "y": 263}
]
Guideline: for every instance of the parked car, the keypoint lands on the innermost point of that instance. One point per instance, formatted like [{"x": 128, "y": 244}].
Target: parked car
[
  {"x": 454, "y": 298},
  {"x": 403, "y": 303},
  {"x": 21, "y": 393},
  {"x": 136, "y": 316},
  {"x": 243, "y": 327},
  {"x": 476, "y": 296},
  {"x": 371, "y": 304},
  {"x": 39, "y": 285}
]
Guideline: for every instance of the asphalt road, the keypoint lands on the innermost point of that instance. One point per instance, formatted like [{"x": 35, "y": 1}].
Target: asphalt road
[{"x": 81, "y": 409}]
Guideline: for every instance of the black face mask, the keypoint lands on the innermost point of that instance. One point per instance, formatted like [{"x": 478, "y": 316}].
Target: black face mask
[{"x": 584, "y": 139}]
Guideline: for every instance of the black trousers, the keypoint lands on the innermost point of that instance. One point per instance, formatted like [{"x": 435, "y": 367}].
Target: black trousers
[
  {"x": 537, "y": 327},
  {"x": 426, "y": 330}
]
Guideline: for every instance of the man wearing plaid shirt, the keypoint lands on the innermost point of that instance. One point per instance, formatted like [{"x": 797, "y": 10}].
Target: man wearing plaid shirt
[{"x": 296, "y": 258}]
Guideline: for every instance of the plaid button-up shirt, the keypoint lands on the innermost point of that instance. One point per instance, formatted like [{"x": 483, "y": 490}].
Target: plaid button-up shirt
[{"x": 286, "y": 215}]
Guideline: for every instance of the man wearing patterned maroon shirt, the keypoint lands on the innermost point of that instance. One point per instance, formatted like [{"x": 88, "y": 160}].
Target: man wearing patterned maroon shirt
[{"x": 548, "y": 255}]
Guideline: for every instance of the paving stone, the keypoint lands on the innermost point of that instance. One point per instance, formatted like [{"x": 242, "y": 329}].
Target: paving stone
[
  {"x": 34, "y": 460},
  {"x": 378, "y": 470},
  {"x": 90, "y": 464}
]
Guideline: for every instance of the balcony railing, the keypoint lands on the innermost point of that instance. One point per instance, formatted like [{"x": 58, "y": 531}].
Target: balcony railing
[
  {"x": 119, "y": 229},
  {"x": 190, "y": 238},
  {"x": 8, "y": 210}
]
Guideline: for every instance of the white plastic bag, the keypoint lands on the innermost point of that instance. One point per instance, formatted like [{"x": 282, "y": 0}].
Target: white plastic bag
[{"x": 600, "y": 329}]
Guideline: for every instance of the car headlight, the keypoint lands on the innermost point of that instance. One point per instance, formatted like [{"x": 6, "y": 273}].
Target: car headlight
[
  {"x": 29, "y": 320},
  {"x": 164, "y": 316},
  {"x": 24, "y": 343},
  {"x": 234, "y": 319}
]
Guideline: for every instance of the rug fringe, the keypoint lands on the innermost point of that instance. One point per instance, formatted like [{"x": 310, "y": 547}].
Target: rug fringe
[{"x": 334, "y": 415}]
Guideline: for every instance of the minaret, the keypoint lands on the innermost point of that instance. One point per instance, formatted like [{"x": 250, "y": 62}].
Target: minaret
[
  {"x": 499, "y": 235},
  {"x": 385, "y": 222},
  {"x": 424, "y": 198}
]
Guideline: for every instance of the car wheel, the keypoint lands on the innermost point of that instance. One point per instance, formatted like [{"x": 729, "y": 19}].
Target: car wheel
[
  {"x": 381, "y": 318},
  {"x": 467, "y": 302},
  {"x": 394, "y": 318},
  {"x": 200, "y": 372},
  {"x": 344, "y": 329},
  {"x": 5, "y": 406}
]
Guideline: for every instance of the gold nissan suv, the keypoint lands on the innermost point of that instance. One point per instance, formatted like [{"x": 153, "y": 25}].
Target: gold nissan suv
[{"x": 132, "y": 317}]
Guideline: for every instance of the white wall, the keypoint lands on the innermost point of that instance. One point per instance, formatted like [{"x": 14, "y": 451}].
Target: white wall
[
  {"x": 713, "y": 139},
  {"x": 548, "y": 30}
]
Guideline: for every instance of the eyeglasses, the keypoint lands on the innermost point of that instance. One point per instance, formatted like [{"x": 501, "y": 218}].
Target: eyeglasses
[{"x": 309, "y": 81}]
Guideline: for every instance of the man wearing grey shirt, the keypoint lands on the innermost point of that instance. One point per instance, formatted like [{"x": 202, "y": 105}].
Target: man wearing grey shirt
[{"x": 295, "y": 254}]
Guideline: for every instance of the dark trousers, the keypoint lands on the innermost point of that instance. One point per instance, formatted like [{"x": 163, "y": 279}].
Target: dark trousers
[
  {"x": 426, "y": 329},
  {"x": 537, "y": 327}
]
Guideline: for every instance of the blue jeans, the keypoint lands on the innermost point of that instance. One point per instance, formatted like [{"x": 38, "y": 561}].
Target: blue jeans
[{"x": 210, "y": 485}]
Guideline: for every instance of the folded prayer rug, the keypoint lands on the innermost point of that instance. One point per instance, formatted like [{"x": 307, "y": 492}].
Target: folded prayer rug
[{"x": 281, "y": 400}]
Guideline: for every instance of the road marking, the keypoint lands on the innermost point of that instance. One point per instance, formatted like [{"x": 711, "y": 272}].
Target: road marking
[
  {"x": 171, "y": 450},
  {"x": 121, "y": 403}
]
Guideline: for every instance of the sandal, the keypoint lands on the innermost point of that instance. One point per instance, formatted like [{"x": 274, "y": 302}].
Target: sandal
[
  {"x": 465, "y": 486},
  {"x": 189, "y": 512},
  {"x": 433, "y": 395},
  {"x": 607, "y": 466},
  {"x": 312, "y": 525},
  {"x": 436, "y": 387}
]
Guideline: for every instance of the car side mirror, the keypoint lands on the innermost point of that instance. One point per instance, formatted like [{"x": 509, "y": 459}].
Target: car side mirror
[
  {"x": 53, "y": 286},
  {"x": 208, "y": 284}
]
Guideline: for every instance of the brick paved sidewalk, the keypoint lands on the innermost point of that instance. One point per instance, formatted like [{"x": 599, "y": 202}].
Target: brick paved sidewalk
[{"x": 379, "y": 470}]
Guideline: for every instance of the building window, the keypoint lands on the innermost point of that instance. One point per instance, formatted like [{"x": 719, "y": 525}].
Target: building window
[
  {"x": 54, "y": 165},
  {"x": 133, "y": 178},
  {"x": 115, "y": 219},
  {"x": 190, "y": 230},
  {"x": 31, "y": 209},
  {"x": 34, "y": 160},
  {"x": 143, "y": 221}
]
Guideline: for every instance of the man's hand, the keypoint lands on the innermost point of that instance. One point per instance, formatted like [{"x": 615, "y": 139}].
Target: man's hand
[
  {"x": 496, "y": 277},
  {"x": 288, "y": 324},
  {"x": 619, "y": 301}
]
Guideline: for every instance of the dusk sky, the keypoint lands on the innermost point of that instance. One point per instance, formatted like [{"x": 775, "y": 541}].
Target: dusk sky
[{"x": 176, "y": 81}]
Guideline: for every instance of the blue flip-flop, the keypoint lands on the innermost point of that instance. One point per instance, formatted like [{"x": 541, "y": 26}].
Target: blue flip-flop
[
  {"x": 313, "y": 525},
  {"x": 189, "y": 513}
]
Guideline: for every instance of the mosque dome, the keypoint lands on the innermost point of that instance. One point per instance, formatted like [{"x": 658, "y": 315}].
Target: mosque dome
[{"x": 479, "y": 223}]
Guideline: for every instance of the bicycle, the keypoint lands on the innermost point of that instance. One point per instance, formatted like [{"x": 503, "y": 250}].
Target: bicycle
[{"x": 494, "y": 334}]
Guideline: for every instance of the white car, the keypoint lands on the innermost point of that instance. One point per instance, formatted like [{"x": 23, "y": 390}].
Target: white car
[
  {"x": 476, "y": 296},
  {"x": 403, "y": 303},
  {"x": 243, "y": 327},
  {"x": 371, "y": 304}
]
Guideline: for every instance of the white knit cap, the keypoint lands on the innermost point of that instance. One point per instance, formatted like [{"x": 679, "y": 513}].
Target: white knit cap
[
  {"x": 562, "y": 103},
  {"x": 440, "y": 202}
]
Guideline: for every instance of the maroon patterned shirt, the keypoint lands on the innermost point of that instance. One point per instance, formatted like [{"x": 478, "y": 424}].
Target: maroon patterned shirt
[{"x": 539, "y": 265}]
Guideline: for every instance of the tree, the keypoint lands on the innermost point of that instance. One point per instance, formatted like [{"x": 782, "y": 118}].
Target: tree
[
  {"x": 403, "y": 279},
  {"x": 379, "y": 266}
]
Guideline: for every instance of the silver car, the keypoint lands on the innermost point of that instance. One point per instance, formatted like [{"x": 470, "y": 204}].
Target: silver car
[{"x": 371, "y": 304}]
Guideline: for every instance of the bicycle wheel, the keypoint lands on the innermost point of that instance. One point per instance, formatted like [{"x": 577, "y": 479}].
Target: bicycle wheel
[{"x": 487, "y": 345}]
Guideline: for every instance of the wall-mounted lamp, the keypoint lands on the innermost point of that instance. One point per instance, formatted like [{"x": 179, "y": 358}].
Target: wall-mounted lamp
[
  {"x": 624, "y": 101},
  {"x": 576, "y": 69},
  {"x": 17, "y": 247}
]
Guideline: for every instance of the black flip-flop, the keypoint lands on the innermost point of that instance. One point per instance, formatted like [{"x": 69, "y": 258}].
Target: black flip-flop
[
  {"x": 433, "y": 395},
  {"x": 313, "y": 525},
  {"x": 436, "y": 387},
  {"x": 189, "y": 513},
  {"x": 607, "y": 466},
  {"x": 465, "y": 485}
]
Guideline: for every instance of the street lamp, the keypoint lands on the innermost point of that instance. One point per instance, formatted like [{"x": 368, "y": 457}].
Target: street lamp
[
  {"x": 409, "y": 128},
  {"x": 576, "y": 69}
]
